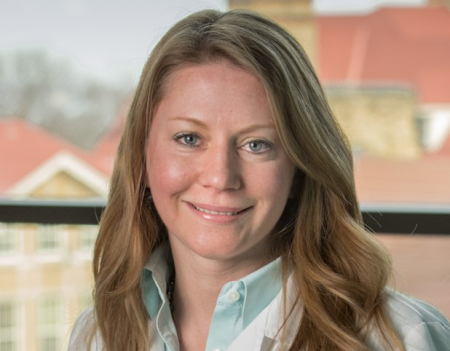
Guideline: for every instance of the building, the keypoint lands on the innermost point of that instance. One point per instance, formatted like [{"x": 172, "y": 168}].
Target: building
[
  {"x": 45, "y": 270},
  {"x": 36, "y": 164},
  {"x": 385, "y": 73},
  {"x": 46, "y": 281},
  {"x": 389, "y": 66},
  {"x": 295, "y": 15}
]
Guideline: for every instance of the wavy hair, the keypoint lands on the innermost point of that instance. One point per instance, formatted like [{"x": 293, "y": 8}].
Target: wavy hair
[{"x": 340, "y": 270}]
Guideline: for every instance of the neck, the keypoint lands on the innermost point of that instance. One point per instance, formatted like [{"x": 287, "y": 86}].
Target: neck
[{"x": 198, "y": 283}]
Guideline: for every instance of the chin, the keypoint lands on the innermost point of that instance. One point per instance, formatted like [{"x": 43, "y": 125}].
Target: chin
[{"x": 218, "y": 252}]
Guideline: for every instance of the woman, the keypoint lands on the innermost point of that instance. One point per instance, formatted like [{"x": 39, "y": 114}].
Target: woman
[{"x": 232, "y": 221}]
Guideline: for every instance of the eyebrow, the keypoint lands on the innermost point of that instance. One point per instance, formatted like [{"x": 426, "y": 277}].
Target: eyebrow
[
  {"x": 203, "y": 125},
  {"x": 190, "y": 120}
]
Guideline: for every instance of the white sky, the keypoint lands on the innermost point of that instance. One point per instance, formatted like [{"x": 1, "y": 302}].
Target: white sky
[
  {"x": 110, "y": 36},
  {"x": 345, "y": 6}
]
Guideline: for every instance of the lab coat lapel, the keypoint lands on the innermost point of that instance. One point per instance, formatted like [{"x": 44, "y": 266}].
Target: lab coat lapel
[
  {"x": 264, "y": 334},
  {"x": 157, "y": 342}
]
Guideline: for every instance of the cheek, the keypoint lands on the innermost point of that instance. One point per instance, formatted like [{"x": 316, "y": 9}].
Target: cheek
[
  {"x": 167, "y": 175},
  {"x": 273, "y": 183}
]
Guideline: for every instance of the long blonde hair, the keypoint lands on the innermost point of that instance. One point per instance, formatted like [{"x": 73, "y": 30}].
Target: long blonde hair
[{"x": 340, "y": 270}]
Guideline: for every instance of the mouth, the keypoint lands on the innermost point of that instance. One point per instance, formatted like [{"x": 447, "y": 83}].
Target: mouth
[{"x": 217, "y": 211}]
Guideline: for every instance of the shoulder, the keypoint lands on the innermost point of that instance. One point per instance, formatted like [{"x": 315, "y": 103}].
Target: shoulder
[
  {"x": 81, "y": 335},
  {"x": 418, "y": 324},
  {"x": 415, "y": 310}
]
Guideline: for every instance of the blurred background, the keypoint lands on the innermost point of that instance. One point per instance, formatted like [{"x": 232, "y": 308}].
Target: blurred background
[{"x": 68, "y": 70}]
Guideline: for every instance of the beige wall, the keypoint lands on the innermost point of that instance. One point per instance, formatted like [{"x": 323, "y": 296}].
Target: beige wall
[
  {"x": 63, "y": 185},
  {"x": 434, "y": 3},
  {"x": 379, "y": 121}
]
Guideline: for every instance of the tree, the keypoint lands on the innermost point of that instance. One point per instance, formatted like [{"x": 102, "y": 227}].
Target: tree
[{"x": 51, "y": 92}]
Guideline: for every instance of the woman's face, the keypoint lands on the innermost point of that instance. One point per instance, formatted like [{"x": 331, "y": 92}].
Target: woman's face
[{"x": 218, "y": 173}]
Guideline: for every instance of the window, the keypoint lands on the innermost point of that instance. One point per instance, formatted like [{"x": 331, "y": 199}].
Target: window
[
  {"x": 88, "y": 235},
  {"x": 8, "y": 326},
  {"x": 48, "y": 239},
  {"x": 49, "y": 322},
  {"x": 8, "y": 240}
]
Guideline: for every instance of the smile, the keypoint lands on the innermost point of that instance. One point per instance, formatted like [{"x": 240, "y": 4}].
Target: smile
[{"x": 217, "y": 213}]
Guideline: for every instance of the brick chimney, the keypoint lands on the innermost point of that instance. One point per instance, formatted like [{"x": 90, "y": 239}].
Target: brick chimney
[
  {"x": 439, "y": 3},
  {"x": 296, "y": 16}
]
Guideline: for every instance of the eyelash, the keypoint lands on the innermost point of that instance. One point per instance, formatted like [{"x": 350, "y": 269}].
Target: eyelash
[
  {"x": 266, "y": 145},
  {"x": 179, "y": 137}
]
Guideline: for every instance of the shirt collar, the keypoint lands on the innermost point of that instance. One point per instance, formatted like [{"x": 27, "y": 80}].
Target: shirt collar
[
  {"x": 260, "y": 286},
  {"x": 154, "y": 279}
]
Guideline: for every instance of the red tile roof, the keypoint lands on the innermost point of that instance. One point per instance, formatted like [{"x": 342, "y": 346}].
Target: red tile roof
[
  {"x": 107, "y": 144},
  {"x": 24, "y": 147},
  {"x": 407, "y": 46}
]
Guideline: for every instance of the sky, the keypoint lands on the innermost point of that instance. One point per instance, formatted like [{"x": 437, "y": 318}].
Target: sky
[
  {"x": 112, "y": 37},
  {"x": 358, "y": 6}
]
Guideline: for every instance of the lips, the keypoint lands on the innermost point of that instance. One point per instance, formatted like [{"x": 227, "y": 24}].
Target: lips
[{"x": 218, "y": 211}]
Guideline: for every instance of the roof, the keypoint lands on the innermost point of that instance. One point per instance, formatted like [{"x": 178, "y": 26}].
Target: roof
[
  {"x": 106, "y": 146},
  {"x": 392, "y": 46},
  {"x": 24, "y": 148}
]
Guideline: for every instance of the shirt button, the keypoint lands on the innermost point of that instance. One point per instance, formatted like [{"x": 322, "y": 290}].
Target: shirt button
[
  {"x": 233, "y": 296},
  {"x": 171, "y": 341}
]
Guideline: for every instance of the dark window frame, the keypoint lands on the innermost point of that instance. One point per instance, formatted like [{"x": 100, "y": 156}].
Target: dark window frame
[{"x": 385, "y": 219}]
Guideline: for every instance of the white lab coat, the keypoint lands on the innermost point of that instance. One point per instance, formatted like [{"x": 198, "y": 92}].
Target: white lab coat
[{"x": 419, "y": 325}]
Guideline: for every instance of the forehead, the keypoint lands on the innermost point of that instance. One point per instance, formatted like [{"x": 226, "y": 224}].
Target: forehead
[
  {"x": 226, "y": 71},
  {"x": 217, "y": 84}
]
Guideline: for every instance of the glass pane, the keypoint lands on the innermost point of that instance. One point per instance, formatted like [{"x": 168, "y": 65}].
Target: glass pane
[
  {"x": 394, "y": 102},
  {"x": 57, "y": 290},
  {"x": 422, "y": 267},
  {"x": 7, "y": 346},
  {"x": 8, "y": 326},
  {"x": 64, "y": 99},
  {"x": 8, "y": 240},
  {"x": 50, "y": 344},
  {"x": 6, "y": 316},
  {"x": 65, "y": 89},
  {"x": 88, "y": 237},
  {"x": 49, "y": 238}
]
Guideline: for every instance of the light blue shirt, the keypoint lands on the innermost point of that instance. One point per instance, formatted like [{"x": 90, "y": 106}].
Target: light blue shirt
[
  {"x": 238, "y": 304},
  {"x": 241, "y": 322}
]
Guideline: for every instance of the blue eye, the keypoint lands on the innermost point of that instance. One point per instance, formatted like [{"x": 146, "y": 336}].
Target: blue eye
[
  {"x": 187, "y": 139},
  {"x": 257, "y": 146},
  {"x": 190, "y": 139}
]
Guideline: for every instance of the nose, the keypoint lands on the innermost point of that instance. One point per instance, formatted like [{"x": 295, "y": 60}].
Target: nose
[{"x": 220, "y": 168}]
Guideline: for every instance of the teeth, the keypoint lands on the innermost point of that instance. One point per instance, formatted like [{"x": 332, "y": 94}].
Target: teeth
[{"x": 225, "y": 213}]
